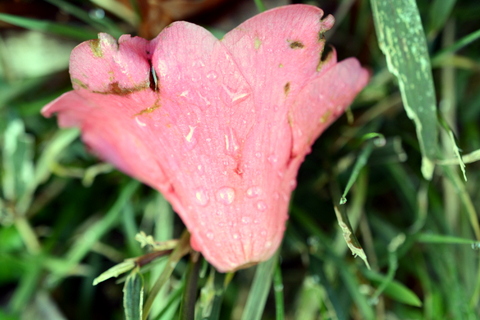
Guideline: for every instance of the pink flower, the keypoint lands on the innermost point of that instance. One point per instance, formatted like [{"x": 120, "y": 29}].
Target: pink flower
[{"x": 219, "y": 127}]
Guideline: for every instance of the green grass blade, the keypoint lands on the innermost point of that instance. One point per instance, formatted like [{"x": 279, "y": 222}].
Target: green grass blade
[
  {"x": 115, "y": 271},
  {"x": 359, "y": 164},
  {"x": 120, "y": 10},
  {"x": 17, "y": 165},
  {"x": 56, "y": 146},
  {"x": 187, "y": 307},
  {"x": 402, "y": 40},
  {"x": 103, "y": 25},
  {"x": 395, "y": 289},
  {"x": 260, "y": 5},
  {"x": 456, "y": 46},
  {"x": 259, "y": 290},
  {"x": 349, "y": 235},
  {"x": 84, "y": 244},
  {"x": 133, "y": 296},
  {"x": 440, "y": 238},
  {"x": 278, "y": 289},
  {"x": 182, "y": 248},
  {"x": 213, "y": 293},
  {"x": 439, "y": 12},
  {"x": 50, "y": 27}
]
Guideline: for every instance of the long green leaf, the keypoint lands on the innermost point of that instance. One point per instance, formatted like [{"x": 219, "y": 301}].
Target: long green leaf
[
  {"x": 395, "y": 289},
  {"x": 259, "y": 290},
  {"x": 402, "y": 40},
  {"x": 49, "y": 26},
  {"x": 133, "y": 296},
  {"x": 84, "y": 244}
]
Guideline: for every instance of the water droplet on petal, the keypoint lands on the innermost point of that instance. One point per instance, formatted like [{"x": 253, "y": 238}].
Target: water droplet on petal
[
  {"x": 196, "y": 76},
  {"x": 272, "y": 158},
  {"x": 263, "y": 232},
  {"x": 212, "y": 75},
  {"x": 268, "y": 244},
  {"x": 246, "y": 220},
  {"x": 200, "y": 168},
  {"x": 293, "y": 184},
  {"x": 140, "y": 123},
  {"x": 254, "y": 191},
  {"x": 210, "y": 235},
  {"x": 201, "y": 197},
  {"x": 235, "y": 236},
  {"x": 261, "y": 206},
  {"x": 207, "y": 102},
  {"x": 258, "y": 154},
  {"x": 191, "y": 140},
  {"x": 231, "y": 143},
  {"x": 226, "y": 195},
  {"x": 236, "y": 95}
]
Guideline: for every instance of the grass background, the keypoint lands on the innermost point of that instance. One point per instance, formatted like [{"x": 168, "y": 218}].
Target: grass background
[{"x": 396, "y": 158}]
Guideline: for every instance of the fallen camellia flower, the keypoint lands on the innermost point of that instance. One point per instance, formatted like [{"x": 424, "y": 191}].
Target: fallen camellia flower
[{"x": 219, "y": 127}]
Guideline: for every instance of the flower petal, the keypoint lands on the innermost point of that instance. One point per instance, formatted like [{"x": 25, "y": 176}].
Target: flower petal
[
  {"x": 225, "y": 126},
  {"x": 105, "y": 66},
  {"x": 323, "y": 100}
]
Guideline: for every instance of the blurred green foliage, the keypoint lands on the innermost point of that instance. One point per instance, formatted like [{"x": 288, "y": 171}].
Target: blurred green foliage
[{"x": 66, "y": 218}]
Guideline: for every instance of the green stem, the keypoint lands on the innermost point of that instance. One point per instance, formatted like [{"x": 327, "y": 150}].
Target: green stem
[
  {"x": 181, "y": 250},
  {"x": 28, "y": 235}
]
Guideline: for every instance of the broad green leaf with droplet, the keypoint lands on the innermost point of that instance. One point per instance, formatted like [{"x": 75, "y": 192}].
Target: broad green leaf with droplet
[{"x": 402, "y": 40}]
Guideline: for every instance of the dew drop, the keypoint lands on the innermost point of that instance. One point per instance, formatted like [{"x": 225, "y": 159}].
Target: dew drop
[
  {"x": 268, "y": 244},
  {"x": 140, "y": 123},
  {"x": 231, "y": 143},
  {"x": 261, "y": 206},
  {"x": 235, "y": 236},
  {"x": 198, "y": 63},
  {"x": 226, "y": 195},
  {"x": 272, "y": 158},
  {"x": 258, "y": 154},
  {"x": 196, "y": 77},
  {"x": 191, "y": 140},
  {"x": 292, "y": 184},
  {"x": 212, "y": 75},
  {"x": 278, "y": 287},
  {"x": 235, "y": 95},
  {"x": 254, "y": 192},
  {"x": 263, "y": 232},
  {"x": 246, "y": 220},
  {"x": 207, "y": 102},
  {"x": 210, "y": 235},
  {"x": 201, "y": 197},
  {"x": 200, "y": 168}
]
